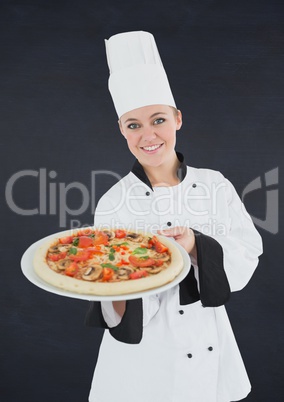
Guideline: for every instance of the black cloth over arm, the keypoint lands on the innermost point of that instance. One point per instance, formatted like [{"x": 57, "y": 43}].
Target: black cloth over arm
[
  {"x": 214, "y": 291},
  {"x": 214, "y": 287},
  {"x": 129, "y": 330},
  {"x": 188, "y": 289}
]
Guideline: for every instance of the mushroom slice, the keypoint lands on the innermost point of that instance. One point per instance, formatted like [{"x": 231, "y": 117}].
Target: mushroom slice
[
  {"x": 154, "y": 270},
  {"x": 162, "y": 257},
  {"x": 92, "y": 272},
  {"x": 59, "y": 248},
  {"x": 64, "y": 247},
  {"x": 53, "y": 266},
  {"x": 54, "y": 249},
  {"x": 135, "y": 237},
  {"x": 109, "y": 233},
  {"x": 123, "y": 273},
  {"x": 63, "y": 264}
]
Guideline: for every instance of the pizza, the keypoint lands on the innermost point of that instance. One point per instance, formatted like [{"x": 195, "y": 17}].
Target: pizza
[{"x": 108, "y": 262}]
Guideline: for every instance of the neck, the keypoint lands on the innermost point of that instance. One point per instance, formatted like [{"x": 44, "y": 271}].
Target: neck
[{"x": 164, "y": 175}]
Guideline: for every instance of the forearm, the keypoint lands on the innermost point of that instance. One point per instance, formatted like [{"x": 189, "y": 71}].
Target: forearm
[
  {"x": 119, "y": 307},
  {"x": 193, "y": 252}
]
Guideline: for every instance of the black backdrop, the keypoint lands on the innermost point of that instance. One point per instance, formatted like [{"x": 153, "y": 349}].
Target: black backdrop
[{"x": 58, "y": 126}]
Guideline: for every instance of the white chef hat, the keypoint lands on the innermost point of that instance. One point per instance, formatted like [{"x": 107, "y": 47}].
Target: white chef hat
[{"x": 137, "y": 76}]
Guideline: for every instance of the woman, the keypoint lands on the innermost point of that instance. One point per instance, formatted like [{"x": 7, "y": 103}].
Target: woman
[{"x": 175, "y": 346}]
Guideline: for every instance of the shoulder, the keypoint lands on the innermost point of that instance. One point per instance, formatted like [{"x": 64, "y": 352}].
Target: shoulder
[
  {"x": 112, "y": 206},
  {"x": 204, "y": 174},
  {"x": 214, "y": 181},
  {"x": 116, "y": 194},
  {"x": 211, "y": 181}
]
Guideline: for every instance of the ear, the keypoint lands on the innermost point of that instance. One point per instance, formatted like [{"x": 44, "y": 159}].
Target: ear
[
  {"x": 179, "y": 119},
  {"x": 121, "y": 129}
]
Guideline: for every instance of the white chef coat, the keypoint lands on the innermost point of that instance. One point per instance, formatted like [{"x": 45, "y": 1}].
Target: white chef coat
[{"x": 188, "y": 352}]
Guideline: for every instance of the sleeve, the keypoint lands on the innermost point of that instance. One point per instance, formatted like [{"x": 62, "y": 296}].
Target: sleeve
[
  {"x": 150, "y": 306},
  {"x": 226, "y": 260},
  {"x": 138, "y": 313},
  {"x": 105, "y": 213},
  {"x": 241, "y": 245},
  {"x": 214, "y": 287},
  {"x": 206, "y": 281},
  {"x": 130, "y": 328},
  {"x": 111, "y": 317}
]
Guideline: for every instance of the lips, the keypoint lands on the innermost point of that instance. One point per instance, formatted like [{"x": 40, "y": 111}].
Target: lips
[{"x": 152, "y": 148}]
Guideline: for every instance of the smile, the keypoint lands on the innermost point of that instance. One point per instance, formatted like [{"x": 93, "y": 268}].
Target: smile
[{"x": 152, "y": 148}]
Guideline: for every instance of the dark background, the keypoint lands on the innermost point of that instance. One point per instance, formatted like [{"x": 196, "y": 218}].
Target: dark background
[{"x": 225, "y": 63}]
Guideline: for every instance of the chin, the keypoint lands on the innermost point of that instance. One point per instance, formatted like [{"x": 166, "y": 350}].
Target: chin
[{"x": 151, "y": 163}]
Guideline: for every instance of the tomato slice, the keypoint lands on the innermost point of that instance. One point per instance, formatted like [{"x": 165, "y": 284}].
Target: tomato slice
[
  {"x": 159, "y": 247},
  {"x": 107, "y": 274},
  {"x": 84, "y": 232},
  {"x": 141, "y": 262},
  {"x": 95, "y": 250},
  {"x": 72, "y": 269},
  {"x": 120, "y": 234},
  {"x": 80, "y": 256},
  {"x": 66, "y": 240},
  {"x": 85, "y": 241},
  {"x": 57, "y": 257},
  {"x": 100, "y": 238},
  {"x": 138, "y": 274}
]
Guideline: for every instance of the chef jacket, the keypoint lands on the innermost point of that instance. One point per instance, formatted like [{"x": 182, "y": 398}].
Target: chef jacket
[{"x": 178, "y": 345}]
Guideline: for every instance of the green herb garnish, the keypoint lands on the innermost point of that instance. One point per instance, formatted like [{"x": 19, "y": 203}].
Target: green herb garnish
[
  {"x": 140, "y": 250},
  {"x": 76, "y": 241},
  {"x": 108, "y": 265},
  {"x": 73, "y": 250},
  {"x": 111, "y": 257}
]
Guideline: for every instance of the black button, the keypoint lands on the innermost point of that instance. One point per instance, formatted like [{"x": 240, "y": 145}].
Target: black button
[
  {"x": 147, "y": 193},
  {"x": 169, "y": 223},
  {"x": 210, "y": 348},
  {"x": 181, "y": 312},
  {"x": 189, "y": 355},
  {"x": 194, "y": 185}
]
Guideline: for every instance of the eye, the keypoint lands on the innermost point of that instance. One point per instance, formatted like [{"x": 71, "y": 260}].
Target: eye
[
  {"x": 159, "y": 121},
  {"x": 133, "y": 126}
]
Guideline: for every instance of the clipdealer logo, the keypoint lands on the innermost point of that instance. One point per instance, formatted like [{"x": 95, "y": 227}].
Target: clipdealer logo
[
  {"x": 53, "y": 196},
  {"x": 271, "y": 180}
]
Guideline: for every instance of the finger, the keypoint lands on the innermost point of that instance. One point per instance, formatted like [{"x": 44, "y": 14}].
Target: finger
[{"x": 172, "y": 232}]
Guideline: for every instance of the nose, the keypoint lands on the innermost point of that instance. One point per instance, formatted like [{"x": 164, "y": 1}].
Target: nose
[{"x": 149, "y": 134}]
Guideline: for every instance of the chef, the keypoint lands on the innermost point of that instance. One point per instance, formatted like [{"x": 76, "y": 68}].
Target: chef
[{"x": 178, "y": 345}]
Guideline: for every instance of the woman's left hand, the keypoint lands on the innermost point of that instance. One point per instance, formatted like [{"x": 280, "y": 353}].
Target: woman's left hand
[{"x": 184, "y": 236}]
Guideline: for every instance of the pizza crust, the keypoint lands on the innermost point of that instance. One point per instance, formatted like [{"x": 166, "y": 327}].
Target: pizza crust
[{"x": 107, "y": 288}]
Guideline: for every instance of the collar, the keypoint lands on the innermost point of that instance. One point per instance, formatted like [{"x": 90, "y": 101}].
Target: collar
[{"x": 139, "y": 171}]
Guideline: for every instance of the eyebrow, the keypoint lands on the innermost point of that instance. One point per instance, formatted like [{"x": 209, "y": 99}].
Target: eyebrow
[{"x": 153, "y": 115}]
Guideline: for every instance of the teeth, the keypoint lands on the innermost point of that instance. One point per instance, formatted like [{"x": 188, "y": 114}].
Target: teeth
[{"x": 151, "y": 148}]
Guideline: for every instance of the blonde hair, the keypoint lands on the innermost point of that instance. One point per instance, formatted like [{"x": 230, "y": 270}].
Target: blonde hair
[{"x": 174, "y": 109}]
